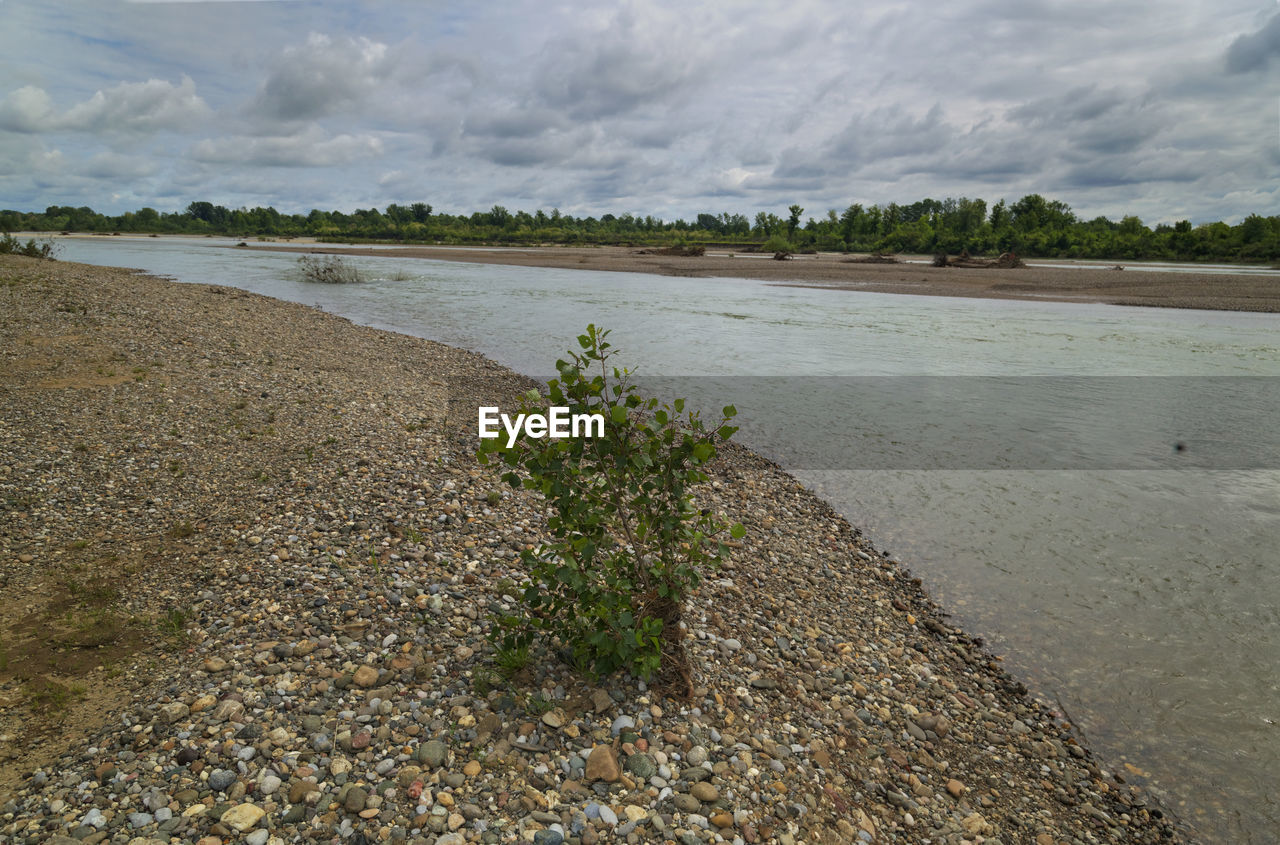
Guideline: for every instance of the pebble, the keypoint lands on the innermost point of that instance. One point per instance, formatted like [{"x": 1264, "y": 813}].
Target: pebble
[{"x": 309, "y": 671}]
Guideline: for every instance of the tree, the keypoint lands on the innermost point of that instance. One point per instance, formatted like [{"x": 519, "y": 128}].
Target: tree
[{"x": 794, "y": 220}]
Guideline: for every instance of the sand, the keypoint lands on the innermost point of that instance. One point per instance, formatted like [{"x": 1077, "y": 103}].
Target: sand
[{"x": 1085, "y": 282}]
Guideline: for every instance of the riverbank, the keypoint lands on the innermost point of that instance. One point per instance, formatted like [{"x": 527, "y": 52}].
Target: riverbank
[
  {"x": 1084, "y": 283},
  {"x": 248, "y": 559}
]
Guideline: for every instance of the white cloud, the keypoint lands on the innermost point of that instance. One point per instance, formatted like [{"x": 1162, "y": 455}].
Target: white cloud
[{"x": 127, "y": 107}]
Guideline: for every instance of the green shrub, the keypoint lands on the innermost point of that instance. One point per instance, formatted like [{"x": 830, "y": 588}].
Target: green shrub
[
  {"x": 9, "y": 245},
  {"x": 627, "y": 544},
  {"x": 778, "y": 244}
]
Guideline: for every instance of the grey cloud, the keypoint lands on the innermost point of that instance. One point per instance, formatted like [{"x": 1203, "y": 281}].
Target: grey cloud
[
  {"x": 627, "y": 64},
  {"x": 1255, "y": 50},
  {"x": 320, "y": 77},
  {"x": 109, "y": 165},
  {"x": 305, "y": 149}
]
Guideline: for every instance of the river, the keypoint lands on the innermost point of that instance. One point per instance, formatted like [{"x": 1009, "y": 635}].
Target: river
[{"x": 1134, "y": 587}]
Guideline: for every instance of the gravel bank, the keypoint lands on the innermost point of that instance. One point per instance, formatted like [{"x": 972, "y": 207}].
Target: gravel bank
[
  {"x": 248, "y": 560},
  {"x": 1087, "y": 283}
]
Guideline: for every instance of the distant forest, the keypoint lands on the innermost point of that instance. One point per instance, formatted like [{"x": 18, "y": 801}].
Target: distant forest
[{"x": 1032, "y": 227}]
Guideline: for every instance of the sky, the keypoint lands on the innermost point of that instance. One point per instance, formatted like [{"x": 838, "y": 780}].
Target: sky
[{"x": 1166, "y": 111}]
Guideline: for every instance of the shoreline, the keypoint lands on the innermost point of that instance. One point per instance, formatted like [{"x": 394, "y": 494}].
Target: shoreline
[
  {"x": 1087, "y": 283},
  {"x": 296, "y": 553}
]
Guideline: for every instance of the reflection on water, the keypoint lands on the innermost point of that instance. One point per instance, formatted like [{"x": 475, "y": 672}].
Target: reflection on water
[{"x": 1143, "y": 602}]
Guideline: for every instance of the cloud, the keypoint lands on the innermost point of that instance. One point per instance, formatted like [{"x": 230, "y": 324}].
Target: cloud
[
  {"x": 321, "y": 77},
  {"x": 633, "y": 59},
  {"x": 29, "y": 109},
  {"x": 310, "y": 148},
  {"x": 127, "y": 107},
  {"x": 110, "y": 165},
  {"x": 1255, "y": 50}
]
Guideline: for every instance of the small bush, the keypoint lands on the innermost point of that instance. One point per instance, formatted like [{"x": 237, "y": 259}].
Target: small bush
[
  {"x": 778, "y": 244},
  {"x": 328, "y": 269},
  {"x": 9, "y": 245},
  {"x": 627, "y": 544}
]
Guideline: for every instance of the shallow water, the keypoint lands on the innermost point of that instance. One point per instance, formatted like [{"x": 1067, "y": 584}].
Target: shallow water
[{"x": 1141, "y": 602}]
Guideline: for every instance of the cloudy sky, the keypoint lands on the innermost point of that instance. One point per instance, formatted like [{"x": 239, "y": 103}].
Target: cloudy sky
[{"x": 1167, "y": 111}]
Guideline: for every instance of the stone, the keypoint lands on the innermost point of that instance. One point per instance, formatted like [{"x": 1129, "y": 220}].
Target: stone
[
  {"x": 365, "y": 676},
  {"x": 268, "y": 784},
  {"x": 705, "y": 792},
  {"x": 955, "y": 787},
  {"x": 227, "y": 710},
  {"x": 242, "y": 817},
  {"x": 355, "y": 800},
  {"x": 432, "y": 753},
  {"x": 298, "y": 790},
  {"x": 601, "y": 700},
  {"x": 554, "y": 718},
  {"x": 472, "y": 768},
  {"x": 602, "y": 764},
  {"x": 686, "y": 803},
  {"x": 221, "y": 779},
  {"x": 173, "y": 712},
  {"x": 722, "y": 820},
  {"x": 642, "y": 766}
]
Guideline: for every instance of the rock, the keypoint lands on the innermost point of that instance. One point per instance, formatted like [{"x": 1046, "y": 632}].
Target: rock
[
  {"x": 298, "y": 790},
  {"x": 242, "y": 817},
  {"x": 602, "y": 764},
  {"x": 642, "y": 766},
  {"x": 268, "y": 784},
  {"x": 227, "y": 710},
  {"x": 173, "y": 712},
  {"x": 472, "y": 768},
  {"x": 705, "y": 792},
  {"x": 686, "y": 803},
  {"x": 974, "y": 824},
  {"x": 722, "y": 820},
  {"x": 955, "y": 787},
  {"x": 355, "y": 800},
  {"x": 696, "y": 756},
  {"x": 433, "y": 753},
  {"x": 451, "y": 839},
  {"x": 365, "y": 676},
  {"x": 215, "y": 664},
  {"x": 601, "y": 701},
  {"x": 221, "y": 779},
  {"x": 608, "y": 816},
  {"x": 554, "y": 718}
]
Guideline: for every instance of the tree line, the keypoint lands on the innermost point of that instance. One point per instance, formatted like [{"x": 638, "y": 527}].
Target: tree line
[{"x": 1033, "y": 226}]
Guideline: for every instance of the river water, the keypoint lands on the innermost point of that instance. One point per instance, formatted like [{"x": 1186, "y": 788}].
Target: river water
[{"x": 1140, "y": 599}]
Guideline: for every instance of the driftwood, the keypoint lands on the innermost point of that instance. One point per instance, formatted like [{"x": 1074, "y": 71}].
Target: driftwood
[
  {"x": 873, "y": 258},
  {"x": 1006, "y": 261},
  {"x": 687, "y": 251}
]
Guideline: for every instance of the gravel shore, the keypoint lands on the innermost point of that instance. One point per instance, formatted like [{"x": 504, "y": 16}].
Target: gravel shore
[
  {"x": 248, "y": 561},
  {"x": 1089, "y": 282}
]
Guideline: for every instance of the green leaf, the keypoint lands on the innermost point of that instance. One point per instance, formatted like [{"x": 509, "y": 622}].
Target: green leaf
[{"x": 737, "y": 531}]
